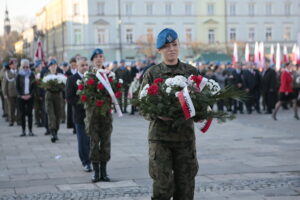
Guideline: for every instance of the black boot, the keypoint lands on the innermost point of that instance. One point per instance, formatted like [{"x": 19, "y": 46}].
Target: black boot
[
  {"x": 54, "y": 136},
  {"x": 104, "y": 176},
  {"x": 23, "y": 133},
  {"x": 96, "y": 176}
]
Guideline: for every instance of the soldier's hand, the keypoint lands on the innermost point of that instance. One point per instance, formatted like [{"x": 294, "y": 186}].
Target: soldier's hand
[{"x": 165, "y": 118}]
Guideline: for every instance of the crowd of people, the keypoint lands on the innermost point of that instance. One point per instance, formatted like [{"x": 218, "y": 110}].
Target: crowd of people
[{"x": 21, "y": 94}]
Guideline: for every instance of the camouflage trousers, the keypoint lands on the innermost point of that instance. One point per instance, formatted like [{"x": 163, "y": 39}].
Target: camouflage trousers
[
  {"x": 53, "y": 109},
  {"x": 99, "y": 128},
  {"x": 173, "y": 167}
]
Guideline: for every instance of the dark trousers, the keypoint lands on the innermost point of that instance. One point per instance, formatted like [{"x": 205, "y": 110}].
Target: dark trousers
[
  {"x": 238, "y": 105},
  {"x": 123, "y": 99},
  {"x": 26, "y": 107},
  {"x": 270, "y": 100},
  {"x": 83, "y": 144}
]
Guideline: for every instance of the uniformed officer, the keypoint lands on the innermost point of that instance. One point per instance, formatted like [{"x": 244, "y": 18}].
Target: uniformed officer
[
  {"x": 53, "y": 104},
  {"x": 99, "y": 128},
  {"x": 172, "y": 153},
  {"x": 38, "y": 100}
]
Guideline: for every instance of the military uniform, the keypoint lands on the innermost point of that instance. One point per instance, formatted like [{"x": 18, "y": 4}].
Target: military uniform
[
  {"x": 38, "y": 104},
  {"x": 4, "y": 101},
  {"x": 10, "y": 91},
  {"x": 172, "y": 151},
  {"x": 124, "y": 74}
]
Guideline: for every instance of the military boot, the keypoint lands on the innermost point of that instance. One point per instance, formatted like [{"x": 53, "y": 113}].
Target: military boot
[
  {"x": 54, "y": 136},
  {"x": 104, "y": 176},
  {"x": 96, "y": 176}
]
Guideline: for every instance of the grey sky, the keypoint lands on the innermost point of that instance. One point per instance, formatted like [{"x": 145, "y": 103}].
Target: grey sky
[{"x": 20, "y": 11}]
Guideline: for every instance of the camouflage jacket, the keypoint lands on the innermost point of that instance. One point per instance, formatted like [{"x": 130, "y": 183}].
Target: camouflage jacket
[{"x": 163, "y": 130}]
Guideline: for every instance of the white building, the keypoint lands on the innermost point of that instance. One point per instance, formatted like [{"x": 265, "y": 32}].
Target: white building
[
  {"x": 269, "y": 21},
  {"x": 123, "y": 28}
]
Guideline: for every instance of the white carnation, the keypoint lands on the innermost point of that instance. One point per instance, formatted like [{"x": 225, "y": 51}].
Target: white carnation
[
  {"x": 144, "y": 91},
  {"x": 121, "y": 81},
  {"x": 213, "y": 86},
  {"x": 168, "y": 90},
  {"x": 78, "y": 82},
  {"x": 179, "y": 81},
  {"x": 112, "y": 74}
]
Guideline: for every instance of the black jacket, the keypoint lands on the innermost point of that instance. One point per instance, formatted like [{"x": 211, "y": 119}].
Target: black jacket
[
  {"x": 20, "y": 84},
  {"x": 78, "y": 110},
  {"x": 269, "y": 81}
]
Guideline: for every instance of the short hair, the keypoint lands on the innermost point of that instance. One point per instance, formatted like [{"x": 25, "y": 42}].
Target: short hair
[
  {"x": 81, "y": 58},
  {"x": 24, "y": 62},
  {"x": 73, "y": 59}
]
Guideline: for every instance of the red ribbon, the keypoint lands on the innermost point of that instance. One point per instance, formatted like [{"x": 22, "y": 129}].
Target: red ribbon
[
  {"x": 184, "y": 105},
  {"x": 206, "y": 126}
]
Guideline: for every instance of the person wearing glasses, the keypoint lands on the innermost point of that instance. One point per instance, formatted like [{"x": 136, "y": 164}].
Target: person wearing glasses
[{"x": 25, "y": 86}]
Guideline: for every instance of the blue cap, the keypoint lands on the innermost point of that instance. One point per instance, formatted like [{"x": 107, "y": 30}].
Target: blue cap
[
  {"x": 228, "y": 63},
  {"x": 65, "y": 64},
  {"x": 115, "y": 62},
  {"x": 52, "y": 62},
  {"x": 37, "y": 63},
  {"x": 95, "y": 52},
  {"x": 165, "y": 36},
  {"x": 122, "y": 61}
]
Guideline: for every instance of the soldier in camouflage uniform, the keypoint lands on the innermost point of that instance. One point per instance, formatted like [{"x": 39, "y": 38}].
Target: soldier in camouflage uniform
[
  {"x": 53, "y": 105},
  {"x": 172, "y": 152},
  {"x": 38, "y": 100},
  {"x": 99, "y": 128}
]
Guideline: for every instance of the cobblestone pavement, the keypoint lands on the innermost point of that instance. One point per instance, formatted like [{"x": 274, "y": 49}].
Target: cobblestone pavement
[{"x": 250, "y": 158}]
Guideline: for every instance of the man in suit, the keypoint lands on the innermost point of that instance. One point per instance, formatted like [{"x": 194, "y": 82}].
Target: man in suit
[
  {"x": 79, "y": 113},
  {"x": 238, "y": 82},
  {"x": 269, "y": 87}
]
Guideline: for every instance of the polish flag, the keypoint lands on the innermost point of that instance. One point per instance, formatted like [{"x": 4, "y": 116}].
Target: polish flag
[
  {"x": 261, "y": 54},
  {"x": 272, "y": 56},
  {"x": 256, "y": 53},
  {"x": 247, "y": 54},
  {"x": 39, "y": 54},
  {"x": 235, "y": 54},
  {"x": 285, "y": 55},
  {"x": 278, "y": 58},
  {"x": 294, "y": 54}
]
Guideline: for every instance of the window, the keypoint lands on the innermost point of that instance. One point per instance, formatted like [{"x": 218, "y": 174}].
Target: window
[
  {"x": 287, "y": 9},
  {"x": 150, "y": 37},
  {"x": 100, "y": 8},
  {"x": 77, "y": 36},
  {"x": 101, "y": 36},
  {"x": 210, "y": 9},
  {"x": 251, "y": 9},
  {"x": 129, "y": 35},
  {"x": 188, "y": 35},
  {"x": 268, "y": 33},
  {"x": 232, "y": 9},
  {"x": 232, "y": 34},
  {"x": 251, "y": 34},
  {"x": 268, "y": 9},
  {"x": 168, "y": 9},
  {"x": 75, "y": 9},
  {"x": 211, "y": 36},
  {"x": 149, "y": 8},
  {"x": 188, "y": 9},
  {"x": 287, "y": 33},
  {"x": 128, "y": 9}
]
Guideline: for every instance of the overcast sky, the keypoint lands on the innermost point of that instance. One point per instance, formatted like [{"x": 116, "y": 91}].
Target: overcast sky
[{"x": 20, "y": 11}]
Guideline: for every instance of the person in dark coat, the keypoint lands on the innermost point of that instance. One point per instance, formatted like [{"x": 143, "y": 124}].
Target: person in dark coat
[
  {"x": 269, "y": 87},
  {"x": 78, "y": 114},
  {"x": 238, "y": 83},
  {"x": 25, "y": 86}
]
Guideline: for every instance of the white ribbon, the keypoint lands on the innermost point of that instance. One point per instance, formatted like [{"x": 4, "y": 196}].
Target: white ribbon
[{"x": 102, "y": 76}]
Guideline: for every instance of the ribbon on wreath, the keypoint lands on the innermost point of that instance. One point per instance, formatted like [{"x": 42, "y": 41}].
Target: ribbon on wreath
[
  {"x": 102, "y": 76},
  {"x": 187, "y": 105}
]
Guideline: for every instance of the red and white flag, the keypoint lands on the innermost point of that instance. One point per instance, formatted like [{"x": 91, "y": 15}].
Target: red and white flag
[
  {"x": 278, "y": 57},
  {"x": 272, "y": 55},
  {"x": 247, "y": 53},
  {"x": 298, "y": 55},
  {"x": 294, "y": 54},
  {"x": 186, "y": 103},
  {"x": 235, "y": 54},
  {"x": 256, "y": 53},
  {"x": 39, "y": 54},
  {"x": 285, "y": 55},
  {"x": 261, "y": 55}
]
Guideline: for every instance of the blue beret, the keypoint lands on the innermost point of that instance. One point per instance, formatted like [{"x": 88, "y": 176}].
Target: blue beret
[
  {"x": 52, "y": 62},
  {"x": 165, "y": 36},
  {"x": 37, "y": 63},
  {"x": 122, "y": 61},
  {"x": 115, "y": 62},
  {"x": 65, "y": 64},
  {"x": 228, "y": 63},
  {"x": 95, "y": 52}
]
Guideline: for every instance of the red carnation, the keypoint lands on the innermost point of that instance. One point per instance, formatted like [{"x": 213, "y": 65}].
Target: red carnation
[
  {"x": 99, "y": 103},
  {"x": 80, "y": 87},
  {"x": 119, "y": 85},
  {"x": 110, "y": 79},
  {"x": 158, "y": 80},
  {"x": 118, "y": 94},
  {"x": 100, "y": 86},
  {"x": 195, "y": 79},
  {"x": 90, "y": 82},
  {"x": 153, "y": 89},
  {"x": 83, "y": 98}
]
